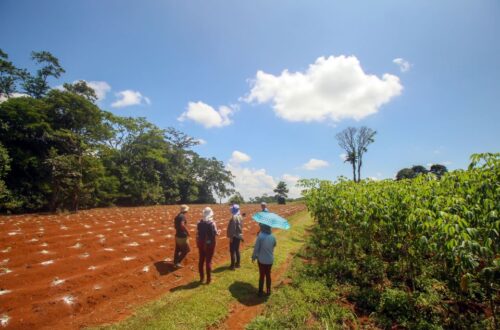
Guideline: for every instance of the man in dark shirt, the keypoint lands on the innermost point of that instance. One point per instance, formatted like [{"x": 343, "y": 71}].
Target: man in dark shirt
[{"x": 181, "y": 236}]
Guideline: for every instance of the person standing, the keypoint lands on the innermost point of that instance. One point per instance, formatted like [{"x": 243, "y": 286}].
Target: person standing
[
  {"x": 263, "y": 206},
  {"x": 263, "y": 252},
  {"x": 181, "y": 236},
  {"x": 235, "y": 235},
  {"x": 205, "y": 239}
]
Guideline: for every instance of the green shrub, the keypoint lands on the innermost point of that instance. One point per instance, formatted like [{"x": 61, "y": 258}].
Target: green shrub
[{"x": 396, "y": 305}]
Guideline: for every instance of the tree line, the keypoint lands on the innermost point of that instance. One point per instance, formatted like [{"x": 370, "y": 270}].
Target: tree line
[{"x": 59, "y": 150}]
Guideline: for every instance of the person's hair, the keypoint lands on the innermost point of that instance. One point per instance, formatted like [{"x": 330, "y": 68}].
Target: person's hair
[{"x": 265, "y": 228}]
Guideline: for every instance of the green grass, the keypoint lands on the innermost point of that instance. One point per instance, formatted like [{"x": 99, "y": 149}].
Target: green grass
[
  {"x": 194, "y": 306},
  {"x": 307, "y": 303}
]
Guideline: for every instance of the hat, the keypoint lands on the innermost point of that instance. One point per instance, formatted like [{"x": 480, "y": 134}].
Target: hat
[
  {"x": 235, "y": 209},
  {"x": 263, "y": 203},
  {"x": 208, "y": 214},
  {"x": 184, "y": 208}
]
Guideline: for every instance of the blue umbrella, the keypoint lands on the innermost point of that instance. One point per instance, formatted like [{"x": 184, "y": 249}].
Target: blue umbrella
[{"x": 271, "y": 219}]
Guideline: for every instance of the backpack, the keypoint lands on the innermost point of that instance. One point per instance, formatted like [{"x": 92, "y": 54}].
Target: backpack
[{"x": 206, "y": 232}]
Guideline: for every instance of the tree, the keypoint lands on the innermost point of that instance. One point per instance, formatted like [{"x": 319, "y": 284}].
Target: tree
[
  {"x": 237, "y": 199},
  {"x": 419, "y": 169},
  {"x": 9, "y": 75},
  {"x": 405, "y": 173},
  {"x": 355, "y": 142},
  {"x": 81, "y": 88},
  {"x": 438, "y": 169},
  {"x": 281, "y": 191},
  {"x": 37, "y": 85}
]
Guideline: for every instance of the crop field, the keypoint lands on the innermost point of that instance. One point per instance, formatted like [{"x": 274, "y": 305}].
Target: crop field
[{"x": 91, "y": 267}]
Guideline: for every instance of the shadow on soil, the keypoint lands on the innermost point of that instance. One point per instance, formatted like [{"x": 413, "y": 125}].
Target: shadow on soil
[
  {"x": 246, "y": 293},
  {"x": 220, "y": 269},
  {"x": 164, "y": 267},
  {"x": 189, "y": 286}
]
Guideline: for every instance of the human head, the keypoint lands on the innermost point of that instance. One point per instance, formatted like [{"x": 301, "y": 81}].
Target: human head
[
  {"x": 235, "y": 209},
  {"x": 263, "y": 205},
  {"x": 208, "y": 214},
  {"x": 184, "y": 208},
  {"x": 264, "y": 228}
]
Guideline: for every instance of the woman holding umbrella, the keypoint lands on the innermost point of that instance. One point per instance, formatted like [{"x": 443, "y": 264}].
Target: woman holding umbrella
[{"x": 263, "y": 252}]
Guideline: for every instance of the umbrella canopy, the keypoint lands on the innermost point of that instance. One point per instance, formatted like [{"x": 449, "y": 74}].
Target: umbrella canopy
[{"x": 271, "y": 219}]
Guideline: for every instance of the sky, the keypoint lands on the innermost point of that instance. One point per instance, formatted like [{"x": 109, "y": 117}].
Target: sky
[{"x": 266, "y": 85}]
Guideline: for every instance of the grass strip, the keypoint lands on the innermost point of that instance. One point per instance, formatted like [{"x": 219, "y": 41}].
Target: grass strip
[{"x": 195, "y": 306}]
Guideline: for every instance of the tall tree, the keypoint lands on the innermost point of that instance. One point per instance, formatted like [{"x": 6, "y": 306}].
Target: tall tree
[
  {"x": 37, "y": 85},
  {"x": 347, "y": 141},
  {"x": 9, "y": 75},
  {"x": 355, "y": 142},
  {"x": 281, "y": 192},
  {"x": 364, "y": 138}
]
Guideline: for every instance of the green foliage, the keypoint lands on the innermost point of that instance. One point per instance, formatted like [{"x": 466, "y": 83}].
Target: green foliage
[
  {"x": 236, "y": 199},
  {"x": 60, "y": 151},
  {"x": 416, "y": 249},
  {"x": 281, "y": 192}
]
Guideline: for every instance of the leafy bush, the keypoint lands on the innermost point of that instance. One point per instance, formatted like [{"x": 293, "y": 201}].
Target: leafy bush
[{"x": 429, "y": 244}]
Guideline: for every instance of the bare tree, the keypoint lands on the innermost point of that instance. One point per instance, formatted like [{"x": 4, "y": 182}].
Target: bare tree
[
  {"x": 365, "y": 137},
  {"x": 347, "y": 141},
  {"x": 355, "y": 143}
]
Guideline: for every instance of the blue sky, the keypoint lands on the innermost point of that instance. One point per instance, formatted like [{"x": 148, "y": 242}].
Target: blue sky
[{"x": 194, "y": 65}]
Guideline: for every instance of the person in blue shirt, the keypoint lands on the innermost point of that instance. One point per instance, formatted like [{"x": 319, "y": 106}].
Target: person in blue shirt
[
  {"x": 263, "y": 252},
  {"x": 263, "y": 206}
]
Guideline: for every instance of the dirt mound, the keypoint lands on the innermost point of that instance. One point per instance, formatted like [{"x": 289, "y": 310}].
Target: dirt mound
[{"x": 93, "y": 267}]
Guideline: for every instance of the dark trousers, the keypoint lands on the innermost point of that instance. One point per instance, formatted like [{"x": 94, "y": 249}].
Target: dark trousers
[
  {"x": 206, "y": 254},
  {"x": 234, "y": 250},
  {"x": 265, "y": 273},
  {"x": 181, "y": 249}
]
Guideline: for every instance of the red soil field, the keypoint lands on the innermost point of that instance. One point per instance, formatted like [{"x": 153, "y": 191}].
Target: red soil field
[{"x": 92, "y": 267}]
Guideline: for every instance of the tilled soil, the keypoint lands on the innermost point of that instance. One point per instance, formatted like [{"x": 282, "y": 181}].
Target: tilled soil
[{"x": 92, "y": 267}]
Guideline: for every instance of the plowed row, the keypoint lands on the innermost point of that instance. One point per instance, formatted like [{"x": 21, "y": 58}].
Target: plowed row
[{"x": 92, "y": 267}]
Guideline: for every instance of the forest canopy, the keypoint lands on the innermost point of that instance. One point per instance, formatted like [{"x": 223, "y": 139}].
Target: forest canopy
[{"x": 59, "y": 150}]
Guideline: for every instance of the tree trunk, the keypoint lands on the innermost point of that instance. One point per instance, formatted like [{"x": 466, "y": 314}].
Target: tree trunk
[
  {"x": 360, "y": 163},
  {"x": 354, "y": 171}
]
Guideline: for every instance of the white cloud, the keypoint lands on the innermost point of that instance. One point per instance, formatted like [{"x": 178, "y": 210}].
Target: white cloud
[
  {"x": 251, "y": 182},
  {"x": 239, "y": 157},
  {"x": 314, "y": 164},
  {"x": 101, "y": 88},
  {"x": 129, "y": 97},
  {"x": 332, "y": 88},
  {"x": 343, "y": 157},
  {"x": 206, "y": 115},
  {"x": 403, "y": 64},
  {"x": 201, "y": 141},
  {"x": 291, "y": 182}
]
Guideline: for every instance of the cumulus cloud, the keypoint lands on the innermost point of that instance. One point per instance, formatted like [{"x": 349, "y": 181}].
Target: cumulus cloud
[
  {"x": 239, "y": 157},
  {"x": 314, "y": 164},
  {"x": 343, "y": 157},
  {"x": 101, "y": 88},
  {"x": 129, "y": 97},
  {"x": 251, "y": 182},
  {"x": 403, "y": 64},
  {"x": 291, "y": 182},
  {"x": 332, "y": 88},
  {"x": 206, "y": 115},
  {"x": 201, "y": 142}
]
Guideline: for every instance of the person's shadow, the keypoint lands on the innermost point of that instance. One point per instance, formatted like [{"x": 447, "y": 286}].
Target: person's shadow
[
  {"x": 246, "y": 293},
  {"x": 164, "y": 267},
  {"x": 220, "y": 269},
  {"x": 189, "y": 286}
]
